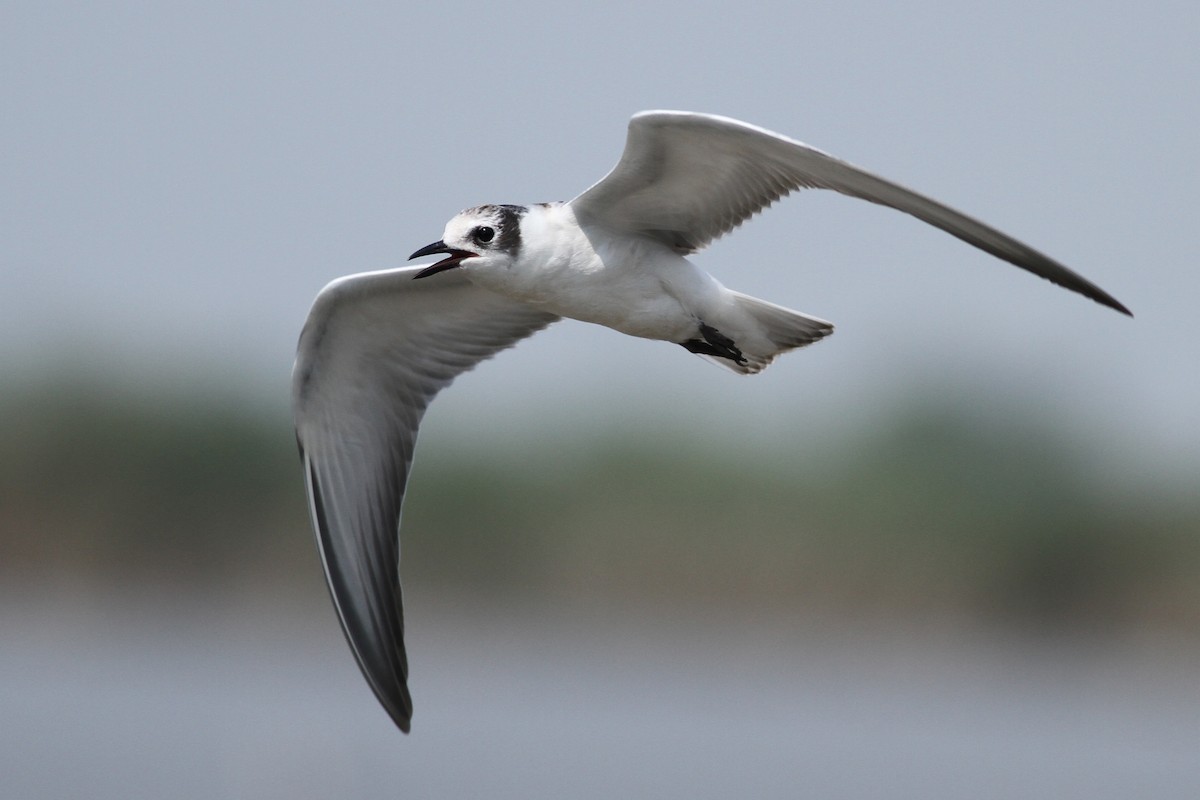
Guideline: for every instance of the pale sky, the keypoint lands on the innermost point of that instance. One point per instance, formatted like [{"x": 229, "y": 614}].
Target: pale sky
[{"x": 179, "y": 180}]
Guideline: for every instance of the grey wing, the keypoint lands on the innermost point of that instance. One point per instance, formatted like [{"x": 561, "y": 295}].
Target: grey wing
[
  {"x": 686, "y": 179},
  {"x": 375, "y": 350}
]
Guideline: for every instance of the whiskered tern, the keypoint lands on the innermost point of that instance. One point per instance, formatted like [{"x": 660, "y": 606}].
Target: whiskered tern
[{"x": 378, "y": 346}]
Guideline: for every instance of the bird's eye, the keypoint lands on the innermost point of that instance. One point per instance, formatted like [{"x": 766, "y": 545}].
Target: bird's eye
[{"x": 483, "y": 234}]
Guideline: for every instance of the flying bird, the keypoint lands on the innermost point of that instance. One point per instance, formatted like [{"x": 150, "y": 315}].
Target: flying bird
[{"x": 378, "y": 346}]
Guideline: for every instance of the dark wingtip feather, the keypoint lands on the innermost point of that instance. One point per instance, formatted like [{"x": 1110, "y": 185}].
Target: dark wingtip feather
[
  {"x": 383, "y": 662},
  {"x": 1118, "y": 306},
  {"x": 1092, "y": 291}
]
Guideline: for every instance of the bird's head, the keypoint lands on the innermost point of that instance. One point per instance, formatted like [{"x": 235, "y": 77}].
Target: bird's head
[{"x": 483, "y": 237}]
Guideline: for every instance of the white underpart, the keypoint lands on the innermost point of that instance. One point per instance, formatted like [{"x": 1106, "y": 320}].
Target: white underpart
[{"x": 637, "y": 286}]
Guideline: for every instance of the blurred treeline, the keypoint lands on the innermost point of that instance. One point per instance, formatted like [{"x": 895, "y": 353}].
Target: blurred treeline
[{"x": 984, "y": 514}]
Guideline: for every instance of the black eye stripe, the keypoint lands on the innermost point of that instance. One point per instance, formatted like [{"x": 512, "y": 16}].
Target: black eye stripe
[{"x": 505, "y": 227}]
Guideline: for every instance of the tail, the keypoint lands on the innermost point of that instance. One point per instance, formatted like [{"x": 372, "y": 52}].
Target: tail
[{"x": 780, "y": 330}]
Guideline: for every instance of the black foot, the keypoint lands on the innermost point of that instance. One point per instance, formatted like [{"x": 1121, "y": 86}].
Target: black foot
[{"x": 714, "y": 343}]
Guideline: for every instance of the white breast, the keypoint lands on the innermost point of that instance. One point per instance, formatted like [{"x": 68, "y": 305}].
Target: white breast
[{"x": 634, "y": 285}]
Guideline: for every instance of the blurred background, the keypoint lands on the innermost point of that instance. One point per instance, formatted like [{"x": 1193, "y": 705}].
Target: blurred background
[{"x": 952, "y": 551}]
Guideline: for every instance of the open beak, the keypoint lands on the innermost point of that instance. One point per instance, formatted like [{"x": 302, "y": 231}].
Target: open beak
[{"x": 453, "y": 258}]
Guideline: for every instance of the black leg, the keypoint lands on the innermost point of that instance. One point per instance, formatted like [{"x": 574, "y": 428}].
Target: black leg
[{"x": 714, "y": 343}]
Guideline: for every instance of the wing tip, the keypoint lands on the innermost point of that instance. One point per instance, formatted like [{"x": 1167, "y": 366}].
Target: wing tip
[
  {"x": 384, "y": 664},
  {"x": 1116, "y": 305},
  {"x": 397, "y": 703},
  {"x": 403, "y": 719},
  {"x": 1094, "y": 292}
]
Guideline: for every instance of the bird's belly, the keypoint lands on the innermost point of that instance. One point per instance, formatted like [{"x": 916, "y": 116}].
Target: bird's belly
[
  {"x": 637, "y": 288},
  {"x": 637, "y": 304}
]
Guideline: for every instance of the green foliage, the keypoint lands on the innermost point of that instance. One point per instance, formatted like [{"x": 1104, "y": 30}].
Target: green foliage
[
  {"x": 103, "y": 480},
  {"x": 941, "y": 509}
]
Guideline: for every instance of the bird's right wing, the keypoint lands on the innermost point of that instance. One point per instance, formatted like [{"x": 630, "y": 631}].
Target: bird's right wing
[
  {"x": 686, "y": 179},
  {"x": 375, "y": 350}
]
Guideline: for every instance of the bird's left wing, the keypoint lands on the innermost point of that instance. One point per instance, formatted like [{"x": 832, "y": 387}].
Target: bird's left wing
[
  {"x": 374, "y": 351},
  {"x": 686, "y": 179}
]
